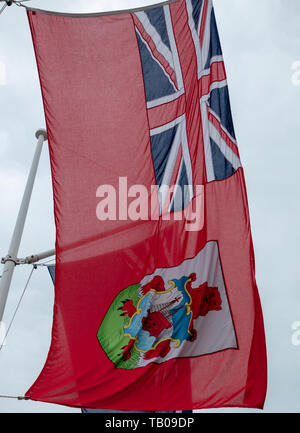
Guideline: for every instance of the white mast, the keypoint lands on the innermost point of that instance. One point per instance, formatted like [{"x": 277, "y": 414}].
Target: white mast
[{"x": 10, "y": 260}]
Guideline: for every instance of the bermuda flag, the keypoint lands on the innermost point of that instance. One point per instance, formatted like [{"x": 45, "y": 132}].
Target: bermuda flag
[{"x": 156, "y": 305}]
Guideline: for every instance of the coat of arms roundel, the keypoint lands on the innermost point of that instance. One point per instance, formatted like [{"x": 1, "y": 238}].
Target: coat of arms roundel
[{"x": 175, "y": 312}]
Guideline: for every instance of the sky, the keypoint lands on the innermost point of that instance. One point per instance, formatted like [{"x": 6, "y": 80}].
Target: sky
[{"x": 261, "y": 48}]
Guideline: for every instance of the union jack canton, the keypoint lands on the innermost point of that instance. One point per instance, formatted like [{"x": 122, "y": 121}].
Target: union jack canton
[{"x": 187, "y": 102}]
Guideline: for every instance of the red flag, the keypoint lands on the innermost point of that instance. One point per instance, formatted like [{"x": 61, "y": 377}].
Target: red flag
[{"x": 156, "y": 304}]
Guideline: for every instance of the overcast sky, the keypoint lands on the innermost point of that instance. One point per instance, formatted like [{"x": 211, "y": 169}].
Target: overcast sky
[{"x": 261, "y": 43}]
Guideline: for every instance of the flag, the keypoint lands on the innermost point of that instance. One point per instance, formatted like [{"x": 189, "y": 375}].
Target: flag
[{"x": 156, "y": 303}]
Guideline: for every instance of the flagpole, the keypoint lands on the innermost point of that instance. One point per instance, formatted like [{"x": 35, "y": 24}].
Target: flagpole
[
  {"x": 11, "y": 259},
  {"x": 37, "y": 257}
]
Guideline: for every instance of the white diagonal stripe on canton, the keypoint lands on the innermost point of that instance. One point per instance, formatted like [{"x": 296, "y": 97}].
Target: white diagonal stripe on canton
[
  {"x": 200, "y": 19},
  {"x": 214, "y": 85},
  {"x": 224, "y": 148},
  {"x": 215, "y": 59},
  {"x": 170, "y": 30},
  {"x": 207, "y": 34},
  {"x": 195, "y": 35},
  {"x": 210, "y": 173},
  {"x": 155, "y": 59},
  {"x": 186, "y": 154},
  {"x": 165, "y": 99},
  {"x": 167, "y": 126},
  {"x": 223, "y": 127},
  {"x": 155, "y": 36},
  {"x": 163, "y": 191}
]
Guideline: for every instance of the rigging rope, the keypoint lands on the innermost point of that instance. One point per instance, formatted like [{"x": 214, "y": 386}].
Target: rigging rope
[
  {"x": 11, "y": 322},
  {"x": 45, "y": 263},
  {"x": 3, "y": 7},
  {"x": 18, "y": 305},
  {"x": 19, "y": 3}
]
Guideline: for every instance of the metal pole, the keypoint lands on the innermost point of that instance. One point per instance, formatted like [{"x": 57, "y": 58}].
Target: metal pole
[
  {"x": 37, "y": 257},
  {"x": 10, "y": 259}
]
